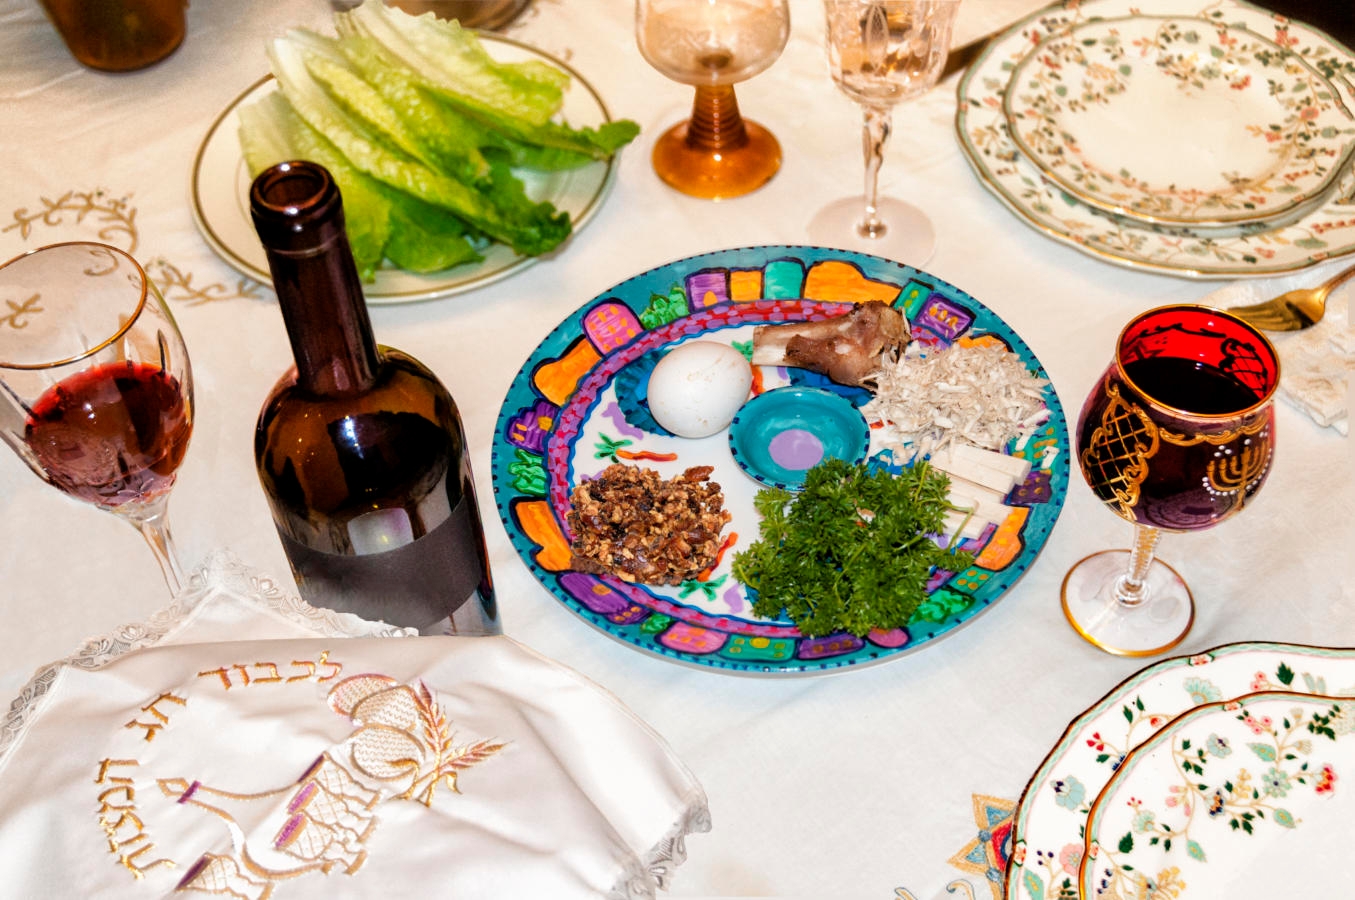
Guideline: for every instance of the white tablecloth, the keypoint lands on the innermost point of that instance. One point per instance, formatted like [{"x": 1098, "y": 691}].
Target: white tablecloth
[{"x": 878, "y": 783}]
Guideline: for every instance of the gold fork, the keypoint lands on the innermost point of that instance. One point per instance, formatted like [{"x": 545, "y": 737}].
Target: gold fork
[{"x": 1294, "y": 310}]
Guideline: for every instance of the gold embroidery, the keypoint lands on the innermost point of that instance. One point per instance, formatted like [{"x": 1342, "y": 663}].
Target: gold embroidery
[
  {"x": 1115, "y": 460},
  {"x": 175, "y": 284},
  {"x": 18, "y": 310},
  {"x": 404, "y": 734},
  {"x": 267, "y": 679},
  {"x": 152, "y": 728},
  {"x": 309, "y": 672},
  {"x": 324, "y": 822},
  {"x": 403, "y": 747},
  {"x": 115, "y": 221},
  {"x": 113, "y": 828},
  {"x": 115, "y": 216}
]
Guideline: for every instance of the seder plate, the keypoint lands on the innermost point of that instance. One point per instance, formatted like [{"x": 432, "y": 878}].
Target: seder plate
[
  {"x": 1325, "y": 231},
  {"x": 220, "y": 181},
  {"x": 578, "y": 404}
]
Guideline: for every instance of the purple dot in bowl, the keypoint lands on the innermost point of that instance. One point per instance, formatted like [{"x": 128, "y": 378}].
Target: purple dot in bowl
[{"x": 795, "y": 449}]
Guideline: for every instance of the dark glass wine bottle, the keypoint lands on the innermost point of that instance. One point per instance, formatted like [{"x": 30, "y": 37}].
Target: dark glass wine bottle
[{"x": 359, "y": 447}]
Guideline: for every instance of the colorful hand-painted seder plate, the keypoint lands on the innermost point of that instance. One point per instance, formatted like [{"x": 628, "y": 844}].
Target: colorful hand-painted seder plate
[
  {"x": 1049, "y": 825},
  {"x": 579, "y": 404}
]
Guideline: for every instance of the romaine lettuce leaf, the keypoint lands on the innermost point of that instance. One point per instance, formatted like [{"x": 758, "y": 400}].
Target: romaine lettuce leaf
[
  {"x": 271, "y": 132},
  {"x": 426, "y": 238},
  {"x": 422, "y": 129},
  {"x": 444, "y": 55},
  {"x": 538, "y": 229}
]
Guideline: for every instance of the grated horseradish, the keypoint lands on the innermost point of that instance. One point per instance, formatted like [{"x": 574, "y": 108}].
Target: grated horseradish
[{"x": 928, "y": 397}]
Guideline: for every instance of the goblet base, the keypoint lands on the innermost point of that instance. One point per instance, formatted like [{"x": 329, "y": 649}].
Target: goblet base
[
  {"x": 713, "y": 172},
  {"x": 906, "y": 234},
  {"x": 1153, "y": 626}
]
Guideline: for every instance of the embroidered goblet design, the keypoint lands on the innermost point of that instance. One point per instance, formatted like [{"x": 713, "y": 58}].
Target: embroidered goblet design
[{"x": 403, "y": 748}]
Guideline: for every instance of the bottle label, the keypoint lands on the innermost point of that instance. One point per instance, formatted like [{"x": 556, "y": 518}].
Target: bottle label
[{"x": 417, "y": 583}]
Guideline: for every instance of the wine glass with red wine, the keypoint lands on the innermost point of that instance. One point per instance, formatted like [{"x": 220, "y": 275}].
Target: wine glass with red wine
[
  {"x": 97, "y": 389},
  {"x": 1177, "y": 435}
]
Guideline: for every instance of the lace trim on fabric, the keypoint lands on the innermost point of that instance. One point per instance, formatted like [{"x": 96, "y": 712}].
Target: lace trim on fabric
[
  {"x": 221, "y": 573},
  {"x": 644, "y": 876}
]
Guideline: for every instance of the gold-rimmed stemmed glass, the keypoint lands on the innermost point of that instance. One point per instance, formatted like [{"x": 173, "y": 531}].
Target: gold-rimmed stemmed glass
[
  {"x": 96, "y": 392},
  {"x": 713, "y": 44},
  {"x": 881, "y": 53},
  {"x": 1177, "y": 435}
]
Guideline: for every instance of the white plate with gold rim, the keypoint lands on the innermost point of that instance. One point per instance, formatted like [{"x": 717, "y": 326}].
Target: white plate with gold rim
[
  {"x": 1242, "y": 798},
  {"x": 1325, "y": 232},
  {"x": 1179, "y": 121},
  {"x": 220, "y": 182},
  {"x": 1048, "y": 825}
]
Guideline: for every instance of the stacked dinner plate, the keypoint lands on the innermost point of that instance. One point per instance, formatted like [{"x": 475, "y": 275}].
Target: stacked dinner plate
[
  {"x": 1223, "y": 774},
  {"x": 1201, "y": 138}
]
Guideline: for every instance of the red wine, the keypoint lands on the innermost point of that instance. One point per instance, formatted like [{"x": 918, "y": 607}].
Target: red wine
[
  {"x": 1190, "y": 386},
  {"x": 359, "y": 448},
  {"x": 1163, "y": 465},
  {"x": 111, "y": 434}
]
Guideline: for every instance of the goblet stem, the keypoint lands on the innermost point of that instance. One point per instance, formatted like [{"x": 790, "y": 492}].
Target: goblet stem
[
  {"x": 874, "y": 136},
  {"x": 151, "y": 519},
  {"x": 1131, "y": 589},
  {"x": 716, "y": 154},
  {"x": 716, "y": 123}
]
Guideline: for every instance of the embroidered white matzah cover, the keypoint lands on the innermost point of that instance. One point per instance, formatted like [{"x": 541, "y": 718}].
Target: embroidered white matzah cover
[{"x": 303, "y": 757}]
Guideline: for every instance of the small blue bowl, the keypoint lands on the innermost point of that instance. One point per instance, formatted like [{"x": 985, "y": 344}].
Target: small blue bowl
[{"x": 781, "y": 434}]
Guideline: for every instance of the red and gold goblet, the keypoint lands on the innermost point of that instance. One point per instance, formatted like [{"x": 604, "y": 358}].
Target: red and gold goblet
[{"x": 1177, "y": 435}]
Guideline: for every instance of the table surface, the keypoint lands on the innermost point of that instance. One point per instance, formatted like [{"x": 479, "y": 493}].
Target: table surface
[{"x": 876, "y": 783}]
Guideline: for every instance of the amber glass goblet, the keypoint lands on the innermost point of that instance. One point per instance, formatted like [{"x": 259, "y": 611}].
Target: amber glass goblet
[
  {"x": 1177, "y": 435},
  {"x": 712, "y": 44}
]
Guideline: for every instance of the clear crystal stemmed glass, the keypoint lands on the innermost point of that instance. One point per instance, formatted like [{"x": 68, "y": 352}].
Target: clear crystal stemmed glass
[
  {"x": 880, "y": 53},
  {"x": 711, "y": 45},
  {"x": 1177, "y": 435},
  {"x": 96, "y": 393}
]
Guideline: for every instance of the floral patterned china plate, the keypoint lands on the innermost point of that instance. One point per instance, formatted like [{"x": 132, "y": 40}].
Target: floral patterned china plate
[
  {"x": 1326, "y": 231},
  {"x": 219, "y": 191},
  {"x": 579, "y": 404},
  {"x": 1050, "y": 819},
  {"x": 1237, "y": 798},
  {"x": 1178, "y": 121}
]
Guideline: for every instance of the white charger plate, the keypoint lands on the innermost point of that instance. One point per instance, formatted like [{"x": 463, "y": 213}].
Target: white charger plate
[
  {"x": 219, "y": 192},
  {"x": 1050, "y": 819},
  {"x": 1326, "y": 232},
  {"x": 1241, "y": 798},
  {"x": 1178, "y": 120}
]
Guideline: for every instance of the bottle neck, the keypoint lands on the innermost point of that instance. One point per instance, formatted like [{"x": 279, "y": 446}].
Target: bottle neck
[
  {"x": 320, "y": 294},
  {"x": 298, "y": 214}
]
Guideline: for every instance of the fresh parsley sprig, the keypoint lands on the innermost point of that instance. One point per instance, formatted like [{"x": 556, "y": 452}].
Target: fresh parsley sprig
[{"x": 851, "y": 552}]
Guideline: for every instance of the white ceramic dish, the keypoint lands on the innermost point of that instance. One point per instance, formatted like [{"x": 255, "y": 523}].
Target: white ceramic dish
[
  {"x": 1178, "y": 120},
  {"x": 1240, "y": 798},
  {"x": 219, "y": 192},
  {"x": 1327, "y": 231},
  {"x": 1048, "y": 825}
]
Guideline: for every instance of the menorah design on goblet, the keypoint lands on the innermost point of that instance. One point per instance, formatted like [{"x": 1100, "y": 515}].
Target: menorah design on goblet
[{"x": 1177, "y": 435}]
